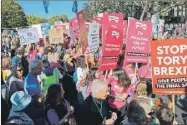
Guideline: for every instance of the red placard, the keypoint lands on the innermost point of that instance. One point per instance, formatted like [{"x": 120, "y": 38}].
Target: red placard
[
  {"x": 81, "y": 19},
  {"x": 74, "y": 26},
  {"x": 139, "y": 35},
  {"x": 111, "y": 20},
  {"x": 83, "y": 30},
  {"x": 111, "y": 49},
  {"x": 169, "y": 66}
]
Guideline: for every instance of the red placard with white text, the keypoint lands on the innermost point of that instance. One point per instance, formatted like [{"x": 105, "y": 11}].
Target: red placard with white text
[
  {"x": 111, "y": 20},
  {"x": 169, "y": 66},
  {"x": 111, "y": 49},
  {"x": 139, "y": 35}
]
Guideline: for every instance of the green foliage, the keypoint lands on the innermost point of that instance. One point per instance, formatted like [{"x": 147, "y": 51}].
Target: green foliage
[
  {"x": 62, "y": 18},
  {"x": 12, "y": 14},
  {"x": 130, "y": 8},
  {"x": 35, "y": 20}
]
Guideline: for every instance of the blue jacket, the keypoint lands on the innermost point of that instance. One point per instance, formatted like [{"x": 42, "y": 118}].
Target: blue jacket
[{"x": 15, "y": 61}]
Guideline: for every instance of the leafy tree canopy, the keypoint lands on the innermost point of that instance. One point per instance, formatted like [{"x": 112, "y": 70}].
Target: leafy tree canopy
[{"x": 12, "y": 14}]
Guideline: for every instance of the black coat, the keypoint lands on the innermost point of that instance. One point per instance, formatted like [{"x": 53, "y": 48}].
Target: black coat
[{"x": 88, "y": 114}]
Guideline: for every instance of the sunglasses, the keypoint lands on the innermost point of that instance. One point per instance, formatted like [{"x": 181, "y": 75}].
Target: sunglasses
[{"x": 20, "y": 70}]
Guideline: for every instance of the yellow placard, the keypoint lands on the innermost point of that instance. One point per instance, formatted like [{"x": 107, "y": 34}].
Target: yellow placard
[{"x": 56, "y": 36}]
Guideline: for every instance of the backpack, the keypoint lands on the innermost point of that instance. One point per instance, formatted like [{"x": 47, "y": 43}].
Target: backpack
[
  {"x": 75, "y": 78},
  {"x": 5, "y": 89}
]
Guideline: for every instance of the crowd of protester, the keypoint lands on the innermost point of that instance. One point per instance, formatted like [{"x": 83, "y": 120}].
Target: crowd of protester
[{"x": 59, "y": 85}]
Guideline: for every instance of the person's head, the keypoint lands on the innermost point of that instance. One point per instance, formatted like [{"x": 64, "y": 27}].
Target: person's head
[
  {"x": 121, "y": 76},
  {"x": 81, "y": 62},
  {"x": 149, "y": 87},
  {"x": 93, "y": 74},
  {"x": 18, "y": 71},
  {"x": 19, "y": 52},
  {"x": 42, "y": 50},
  {"x": 68, "y": 58},
  {"x": 6, "y": 62},
  {"x": 145, "y": 103},
  {"x": 45, "y": 64},
  {"x": 33, "y": 46},
  {"x": 99, "y": 89},
  {"x": 136, "y": 114},
  {"x": 56, "y": 57},
  {"x": 142, "y": 89},
  {"x": 165, "y": 115},
  {"x": 130, "y": 65},
  {"x": 59, "y": 47},
  {"x": 35, "y": 67},
  {"x": 55, "y": 93},
  {"x": 74, "y": 49}
]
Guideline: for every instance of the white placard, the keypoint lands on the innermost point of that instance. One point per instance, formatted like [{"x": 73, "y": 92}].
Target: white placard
[
  {"x": 28, "y": 35},
  {"x": 93, "y": 37},
  {"x": 38, "y": 30}
]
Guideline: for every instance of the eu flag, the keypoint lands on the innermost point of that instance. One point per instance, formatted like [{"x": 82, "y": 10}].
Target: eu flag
[
  {"x": 46, "y": 4},
  {"x": 75, "y": 7}
]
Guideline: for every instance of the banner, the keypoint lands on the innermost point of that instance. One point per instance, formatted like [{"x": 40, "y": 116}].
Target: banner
[
  {"x": 158, "y": 27},
  {"x": 93, "y": 37},
  {"x": 111, "y": 49},
  {"x": 45, "y": 27},
  {"x": 74, "y": 24},
  {"x": 28, "y": 35},
  {"x": 56, "y": 36},
  {"x": 38, "y": 30},
  {"x": 138, "y": 41},
  {"x": 169, "y": 66},
  {"x": 83, "y": 30},
  {"x": 111, "y": 20},
  {"x": 99, "y": 21},
  {"x": 81, "y": 19}
]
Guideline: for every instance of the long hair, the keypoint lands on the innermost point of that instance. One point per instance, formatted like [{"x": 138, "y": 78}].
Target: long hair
[
  {"x": 81, "y": 62},
  {"x": 53, "y": 94},
  {"x": 122, "y": 77}
]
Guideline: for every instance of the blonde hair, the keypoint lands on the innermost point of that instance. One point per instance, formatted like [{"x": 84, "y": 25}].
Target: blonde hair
[
  {"x": 6, "y": 62},
  {"x": 142, "y": 89}
]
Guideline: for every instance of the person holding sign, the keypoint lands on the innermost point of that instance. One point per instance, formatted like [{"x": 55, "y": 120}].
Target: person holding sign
[{"x": 120, "y": 89}]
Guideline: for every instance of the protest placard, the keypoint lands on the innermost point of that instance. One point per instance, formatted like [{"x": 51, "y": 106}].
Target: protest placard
[
  {"x": 81, "y": 19},
  {"x": 99, "y": 21},
  {"x": 169, "y": 66},
  {"x": 38, "y": 30},
  {"x": 111, "y": 20},
  {"x": 74, "y": 28},
  {"x": 28, "y": 35},
  {"x": 93, "y": 37},
  {"x": 158, "y": 27},
  {"x": 83, "y": 30},
  {"x": 138, "y": 41},
  {"x": 111, "y": 49},
  {"x": 45, "y": 27},
  {"x": 84, "y": 39},
  {"x": 56, "y": 36}
]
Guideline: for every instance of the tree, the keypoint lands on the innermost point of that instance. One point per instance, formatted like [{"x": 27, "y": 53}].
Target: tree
[
  {"x": 135, "y": 9},
  {"x": 12, "y": 14},
  {"x": 31, "y": 19},
  {"x": 62, "y": 18}
]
